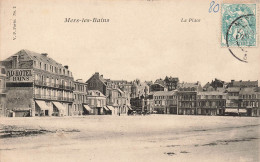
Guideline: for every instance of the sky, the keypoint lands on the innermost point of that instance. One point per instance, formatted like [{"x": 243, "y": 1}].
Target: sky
[{"x": 143, "y": 39}]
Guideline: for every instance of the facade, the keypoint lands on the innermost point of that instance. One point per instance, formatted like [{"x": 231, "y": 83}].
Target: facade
[
  {"x": 3, "y": 110},
  {"x": 117, "y": 92},
  {"x": 165, "y": 102},
  {"x": 211, "y": 103},
  {"x": 37, "y": 85},
  {"x": 96, "y": 103},
  {"x": 80, "y": 94},
  {"x": 187, "y": 98},
  {"x": 250, "y": 99},
  {"x": 143, "y": 103},
  {"x": 139, "y": 89}
]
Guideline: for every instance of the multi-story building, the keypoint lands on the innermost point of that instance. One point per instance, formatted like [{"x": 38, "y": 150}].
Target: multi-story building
[
  {"x": 80, "y": 94},
  {"x": 3, "y": 110},
  {"x": 211, "y": 103},
  {"x": 37, "y": 85},
  {"x": 165, "y": 102},
  {"x": 187, "y": 98},
  {"x": 97, "y": 104},
  {"x": 250, "y": 99},
  {"x": 143, "y": 103},
  {"x": 236, "y": 89},
  {"x": 139, "y": 89},
  {"x": 116, "y": 92}
]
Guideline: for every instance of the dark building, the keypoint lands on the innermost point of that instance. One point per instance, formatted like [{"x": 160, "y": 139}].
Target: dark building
[
  {"x": 117, "y": 92},
  {"x": 187, "y": 98},
  {"x": 158, "y": 85},
  {"x": 171, "y": 83},
  {"x": 37, "y": 85},
  {"x": 143, "y": 103},
  {"x": 214, "y": 85}
]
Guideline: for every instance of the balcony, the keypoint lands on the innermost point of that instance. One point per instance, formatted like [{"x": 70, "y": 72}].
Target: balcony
[
  {"x": 211, "y": 107},
  {"x": 53, "y": 85},
  {"x": 48, "y": 97}
]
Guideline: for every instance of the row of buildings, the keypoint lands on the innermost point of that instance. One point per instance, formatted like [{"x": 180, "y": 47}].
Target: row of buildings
[{"x": 33, "y": 84}]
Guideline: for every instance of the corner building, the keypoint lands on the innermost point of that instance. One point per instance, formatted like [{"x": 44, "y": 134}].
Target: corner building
[{"x": 37, "y": 85}]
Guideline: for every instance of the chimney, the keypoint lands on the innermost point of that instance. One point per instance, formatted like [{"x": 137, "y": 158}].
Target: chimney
[
  {"x": 101, "y": 76},
  {"x": 44, "y": 54},
  {"x": 96, "y": 74},
  {"x": 66, "y": 66}
]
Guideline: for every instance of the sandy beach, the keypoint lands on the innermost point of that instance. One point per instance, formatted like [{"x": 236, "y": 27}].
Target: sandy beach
[{"x": 130, "y": 138}]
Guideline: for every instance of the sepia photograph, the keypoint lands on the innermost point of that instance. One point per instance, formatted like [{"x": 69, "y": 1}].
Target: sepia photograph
[{"x": 129, "y": 81}]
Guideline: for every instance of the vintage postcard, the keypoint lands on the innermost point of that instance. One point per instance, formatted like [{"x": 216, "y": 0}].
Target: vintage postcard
[{"x": 118, "y": 80}]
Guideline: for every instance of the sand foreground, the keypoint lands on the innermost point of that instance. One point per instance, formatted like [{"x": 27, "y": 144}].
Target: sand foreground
[{"x": 130, "y": 138}]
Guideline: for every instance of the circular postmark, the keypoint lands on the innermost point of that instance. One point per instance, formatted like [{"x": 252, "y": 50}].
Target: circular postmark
[
  {"x": 240, "y": 34},
  {"x": 239, "y": 29}
]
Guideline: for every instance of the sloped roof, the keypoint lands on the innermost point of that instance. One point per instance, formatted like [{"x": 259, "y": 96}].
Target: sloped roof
[
  {"x": 249, "y": 90},
  {"x": 37, "y": 57},
  {"x": 206, "y": 85},
  {"x": 244, "y": 83},
  {"x": 160, "y": 81},
  {"x": 95, "y": 93}
]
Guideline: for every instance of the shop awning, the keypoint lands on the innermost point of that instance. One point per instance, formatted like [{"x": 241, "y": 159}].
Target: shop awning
[
  {"x": 111, "y": 108},
  {"x": 59, "y": 106},
  {"x": 242, "y": 111},
  {"x": 231, "y": 110},
  {"x": 42, "y": 105},
  {"x": 87, "y": 107},
  {"x": 106, "y": 108}
]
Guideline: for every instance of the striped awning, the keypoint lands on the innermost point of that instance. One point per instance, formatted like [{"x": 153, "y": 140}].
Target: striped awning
[
  {"x": 231, "y": 110},
  {"x": 42, "y": 105},
  {"x": 59, "y": 106},
  {"x": 106, "y": 108},
  {"x": 87, "y": 107}
]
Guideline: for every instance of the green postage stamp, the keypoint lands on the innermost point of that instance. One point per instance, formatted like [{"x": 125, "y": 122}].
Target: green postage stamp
[{"x": 238, "y": 25}]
